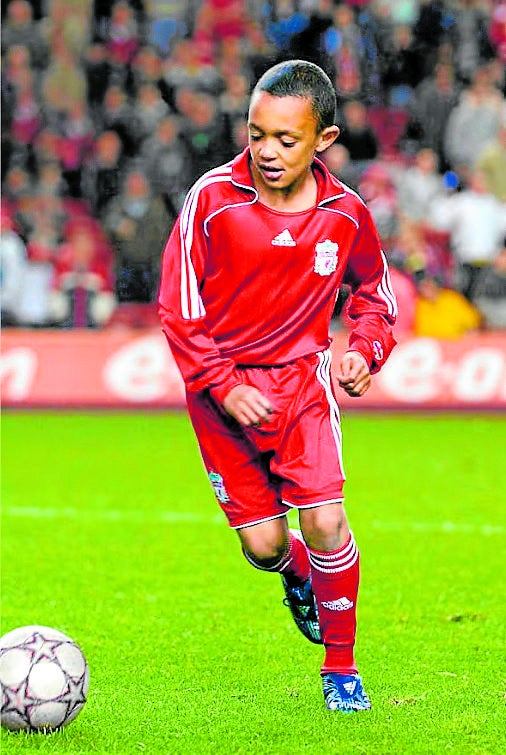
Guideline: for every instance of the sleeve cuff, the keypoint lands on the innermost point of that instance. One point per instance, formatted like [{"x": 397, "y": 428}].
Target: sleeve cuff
[
  {"x": 221, "y": 391},
  {"x": 363, "y": 346}
]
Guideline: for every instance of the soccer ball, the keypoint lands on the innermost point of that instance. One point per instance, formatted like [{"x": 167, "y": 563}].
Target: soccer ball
[{"x": 44, "y": 679}]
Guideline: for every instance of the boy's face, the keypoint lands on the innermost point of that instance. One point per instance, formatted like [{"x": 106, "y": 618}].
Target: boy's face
[{"x": 283, "y": 139}]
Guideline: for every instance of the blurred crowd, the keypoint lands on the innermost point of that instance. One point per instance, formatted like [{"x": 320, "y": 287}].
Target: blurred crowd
[{"x": 111, "y": 109}]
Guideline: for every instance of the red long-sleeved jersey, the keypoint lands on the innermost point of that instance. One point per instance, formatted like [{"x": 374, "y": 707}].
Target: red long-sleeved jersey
[{"x": 244, "y": 284}]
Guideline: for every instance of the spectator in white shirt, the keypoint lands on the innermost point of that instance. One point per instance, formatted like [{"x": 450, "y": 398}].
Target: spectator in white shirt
[{"x": 476, "y": 221}]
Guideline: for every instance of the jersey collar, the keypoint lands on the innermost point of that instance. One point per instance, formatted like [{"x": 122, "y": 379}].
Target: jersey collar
[{"x": 329, "y": 187}]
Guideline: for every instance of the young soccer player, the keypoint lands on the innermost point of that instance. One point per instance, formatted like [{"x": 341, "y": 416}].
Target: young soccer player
[{"x": 250, "y": 276}]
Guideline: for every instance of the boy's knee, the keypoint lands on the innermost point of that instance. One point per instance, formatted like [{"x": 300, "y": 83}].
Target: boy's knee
[
  {"x": 264, "y": 550},
  {"x": 325, "y": 527}
]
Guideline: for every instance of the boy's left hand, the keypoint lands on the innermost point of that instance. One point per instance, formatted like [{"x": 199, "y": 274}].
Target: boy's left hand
[{"x": 354, "y": 376}]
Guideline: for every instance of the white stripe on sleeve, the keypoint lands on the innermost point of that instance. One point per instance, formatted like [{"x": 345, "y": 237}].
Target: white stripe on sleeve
[
  {"x": 192, "y": 307},
  {"x": 385, "y": 290}
]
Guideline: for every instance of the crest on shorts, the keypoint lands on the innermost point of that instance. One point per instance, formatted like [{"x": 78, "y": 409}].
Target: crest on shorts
[
  {"x": 325, "y": 261},
  {"x": 220, "y": 491}
]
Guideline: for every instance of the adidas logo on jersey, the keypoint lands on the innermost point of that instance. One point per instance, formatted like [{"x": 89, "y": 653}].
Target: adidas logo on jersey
[
  {"x": 283, "y": 239},
  {"x": 341, "y": 604}
]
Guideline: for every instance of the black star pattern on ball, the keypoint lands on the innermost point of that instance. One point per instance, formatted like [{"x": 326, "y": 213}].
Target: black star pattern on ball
[
  {"x": 74, "y": 696},
  {"x": 17, "y": 701},
  {"x": 41, "y": 647}
]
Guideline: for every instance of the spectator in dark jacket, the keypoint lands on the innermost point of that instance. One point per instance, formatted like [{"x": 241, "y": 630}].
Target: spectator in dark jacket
[
  {"x": 103, "y": 172},
  {"x": 358, "y": 136},
  {"x": 137, "y": 223}
]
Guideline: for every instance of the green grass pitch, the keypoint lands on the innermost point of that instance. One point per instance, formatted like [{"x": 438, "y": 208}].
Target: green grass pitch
[{"x": 110, "y": 533}]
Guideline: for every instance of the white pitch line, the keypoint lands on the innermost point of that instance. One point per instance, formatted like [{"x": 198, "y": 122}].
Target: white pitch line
[
  {"x": 442, "y": 527},
  {"x": 111, "y": 515},
  {"x": 193, "y": 517}
]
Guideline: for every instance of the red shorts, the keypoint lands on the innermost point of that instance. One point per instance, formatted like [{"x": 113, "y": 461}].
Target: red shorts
[{"x": 294, "y": 460}]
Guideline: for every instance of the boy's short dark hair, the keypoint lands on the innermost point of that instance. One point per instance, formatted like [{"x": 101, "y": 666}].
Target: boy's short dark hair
[{"x": 300, "y": 78}]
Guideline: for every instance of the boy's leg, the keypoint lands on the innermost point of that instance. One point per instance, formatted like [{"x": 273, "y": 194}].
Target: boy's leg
[
  {"x": 334, "y": 559},
  {"x": 271, "y": 546},
  {"x": 334, "y": 562}
]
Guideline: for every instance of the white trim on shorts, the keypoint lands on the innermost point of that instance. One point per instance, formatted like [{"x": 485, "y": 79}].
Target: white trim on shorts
[
  {"x": 258, "y": 521},
  {"x": 312, "y": 505}
]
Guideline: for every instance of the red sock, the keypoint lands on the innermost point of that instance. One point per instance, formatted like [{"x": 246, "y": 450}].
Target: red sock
[
  {"x": 296, "y": 568},
  {"x": 335, "y": 578}
]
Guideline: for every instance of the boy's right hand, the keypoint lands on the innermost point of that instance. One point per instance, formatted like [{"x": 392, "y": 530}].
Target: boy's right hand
[{"x": 248, "y": 405}]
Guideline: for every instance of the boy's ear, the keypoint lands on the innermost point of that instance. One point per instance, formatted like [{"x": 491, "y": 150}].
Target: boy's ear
[{"x": 327, "y": 137}]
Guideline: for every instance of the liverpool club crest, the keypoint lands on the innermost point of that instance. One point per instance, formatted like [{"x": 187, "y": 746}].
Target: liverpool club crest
[
  {"x": 325, "y": 261},
  {"x": 220, "y": 491}
]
